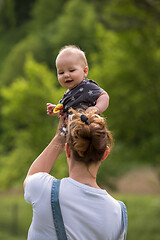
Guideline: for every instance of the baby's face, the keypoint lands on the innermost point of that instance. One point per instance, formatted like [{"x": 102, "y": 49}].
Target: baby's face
[{"x": 71, "y": 70}]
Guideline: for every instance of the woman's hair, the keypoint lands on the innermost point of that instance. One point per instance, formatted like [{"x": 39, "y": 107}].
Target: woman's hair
[{"x": 88, "y": 140}]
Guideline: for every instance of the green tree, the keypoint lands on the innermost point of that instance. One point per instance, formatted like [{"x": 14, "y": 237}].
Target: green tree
[
  {"x": 45, "y": 12},
  {"x": 127, "y": 67},
  {"x": 26, "y": 127},
  {"x": 13, "y": 65},
  {"x": 7, "y": 14},
  {"x": 121, "y": 40},
  {"x": 75, "y": 26},
  {"x": 14, "y": 13}
]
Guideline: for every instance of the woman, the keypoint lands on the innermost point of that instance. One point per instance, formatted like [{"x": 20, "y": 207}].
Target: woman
[{"x": 89, "y": 212}]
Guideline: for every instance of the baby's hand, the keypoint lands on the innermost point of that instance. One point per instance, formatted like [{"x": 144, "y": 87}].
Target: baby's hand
[{"x": 50, "y": 108}]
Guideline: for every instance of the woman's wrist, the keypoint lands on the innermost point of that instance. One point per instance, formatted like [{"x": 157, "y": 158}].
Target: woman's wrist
[{"x": 58, "y": 140}]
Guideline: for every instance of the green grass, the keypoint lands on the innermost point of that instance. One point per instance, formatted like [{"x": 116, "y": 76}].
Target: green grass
[
  {"x": 9, "y": 236},
  {"x": 143, "y": 216},
  {"x": 15, "y": 217}
]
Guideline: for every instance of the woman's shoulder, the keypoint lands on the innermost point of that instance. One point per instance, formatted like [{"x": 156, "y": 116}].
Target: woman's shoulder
[
  {"x": 36, "y": 184},
  {"x": 39, "y": 177}
]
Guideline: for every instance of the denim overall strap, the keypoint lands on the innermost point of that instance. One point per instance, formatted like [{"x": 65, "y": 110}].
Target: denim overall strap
[
  {"x": 125, "y": 218},
  {"x": 57, "y": 216}
]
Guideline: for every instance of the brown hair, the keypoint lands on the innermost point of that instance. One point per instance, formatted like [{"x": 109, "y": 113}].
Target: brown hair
[{"x": 88, "y": 142}]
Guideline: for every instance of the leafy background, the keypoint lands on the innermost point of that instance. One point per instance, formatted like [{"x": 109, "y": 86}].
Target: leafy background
[{"x": 121, "y": 39}]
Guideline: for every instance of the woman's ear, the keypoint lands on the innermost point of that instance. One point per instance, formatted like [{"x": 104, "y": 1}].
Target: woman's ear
[
  {"x": 106, "y": 153},
  {"x": 67, "y": 150},
  {"x": 86, "y": 71}
]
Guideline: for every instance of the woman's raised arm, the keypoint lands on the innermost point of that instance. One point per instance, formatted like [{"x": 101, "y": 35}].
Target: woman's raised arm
[{"x": 47, "y": 158}]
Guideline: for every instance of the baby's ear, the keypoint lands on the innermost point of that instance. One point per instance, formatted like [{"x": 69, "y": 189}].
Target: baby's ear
[{"x": 86, "y": 71}]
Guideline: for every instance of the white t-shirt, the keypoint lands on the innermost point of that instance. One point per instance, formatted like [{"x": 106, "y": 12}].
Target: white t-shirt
[{"x": 88, "y": 213}]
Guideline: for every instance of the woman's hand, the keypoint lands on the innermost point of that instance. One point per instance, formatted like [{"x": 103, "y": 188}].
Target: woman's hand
[{"x": 59, "y": 134}]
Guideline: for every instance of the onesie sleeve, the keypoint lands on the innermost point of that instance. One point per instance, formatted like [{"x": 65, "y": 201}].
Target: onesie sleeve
[
  {"x": 35, "y": 186},
  {"x": 92, "y": 91}
]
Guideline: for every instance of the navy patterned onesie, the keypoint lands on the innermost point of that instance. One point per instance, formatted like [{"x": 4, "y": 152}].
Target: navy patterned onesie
[{"x": 84, "y": 95}]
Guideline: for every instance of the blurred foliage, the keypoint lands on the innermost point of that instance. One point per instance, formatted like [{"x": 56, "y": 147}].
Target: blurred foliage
[
  {"x": 76, "y": 25},
  {"x": 122, "y": 43},
  {"x": 45, "y": 12},
  {"x": 14, "y": 13},
  {"x": 26, "y": 129},
  {"x": 14, "y": 63}
]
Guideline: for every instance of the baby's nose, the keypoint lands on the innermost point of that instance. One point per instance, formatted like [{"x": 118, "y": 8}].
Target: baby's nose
[{"x": 66, "y": 74}]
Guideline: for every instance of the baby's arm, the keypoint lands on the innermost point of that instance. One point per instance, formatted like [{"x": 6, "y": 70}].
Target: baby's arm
[
  {"x": 50, "y": 108},
  {"x": 101, "y": 103}
]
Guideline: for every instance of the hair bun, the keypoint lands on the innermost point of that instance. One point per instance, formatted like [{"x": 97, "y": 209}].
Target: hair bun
[{"x": 88, "y": 141}]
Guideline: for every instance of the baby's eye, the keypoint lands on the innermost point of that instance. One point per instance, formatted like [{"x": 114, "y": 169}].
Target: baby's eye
[
  {"x": 61, "y": 72},
  {"x": 72, "y": 70}
]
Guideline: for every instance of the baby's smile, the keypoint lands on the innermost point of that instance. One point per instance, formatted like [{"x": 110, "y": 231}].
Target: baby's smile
[{"x": 69, "y": 81}]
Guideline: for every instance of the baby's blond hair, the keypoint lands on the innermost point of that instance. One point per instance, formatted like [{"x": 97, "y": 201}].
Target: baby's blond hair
[{"x": 74, "y": 49}]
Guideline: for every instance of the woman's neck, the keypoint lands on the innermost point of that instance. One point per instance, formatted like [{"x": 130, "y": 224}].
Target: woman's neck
[{"x": 84, "y": 174}]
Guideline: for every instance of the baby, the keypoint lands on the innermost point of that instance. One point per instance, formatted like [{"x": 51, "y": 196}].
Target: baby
[{"x": 72, "y": 70}]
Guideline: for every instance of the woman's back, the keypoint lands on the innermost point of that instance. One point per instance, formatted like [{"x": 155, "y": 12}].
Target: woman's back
[{"x": 88, "y": 213}]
